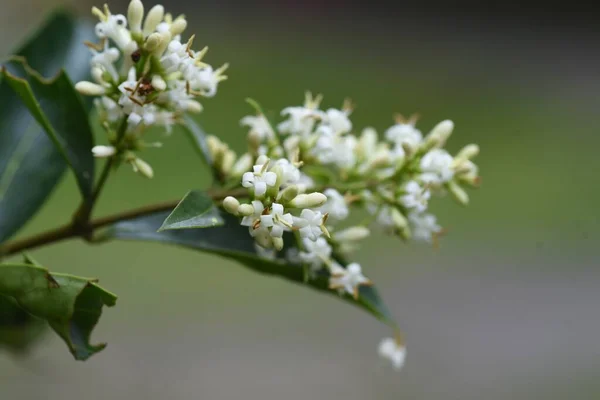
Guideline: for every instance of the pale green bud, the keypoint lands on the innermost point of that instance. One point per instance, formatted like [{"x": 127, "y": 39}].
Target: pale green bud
[
  {"x": 288, "y": 194},
  {"x": 439, "y": 134},
  {"x": 398, "y": 219},
  {"x": 352, "y": 234},
  {"x": 135, "y": 14},
  {"x": 98, "y": 75},
  {"x": 243, "y": 164},
  {"x": 178, "y": 26},
  {"x": 152, "y": 42},
  {"x": 142, "y": 167},
  {"x": 310, "y": 200},
  {"x": 277, "y": 243},
  {"x": 154, "y": 17},
  {"x": 468, "y": 152},
  {"x": 231, "y": 205},
  {"x": 458, "y": 193},
  {"x": 165, "y": 39},
  {"x": 246, "y": 210},
  {"x": 90, "y": 89},
  {"x": 227, "y": 162},
  {"x": 159, "y": 83},
  {"x": 193, "y": 106}
]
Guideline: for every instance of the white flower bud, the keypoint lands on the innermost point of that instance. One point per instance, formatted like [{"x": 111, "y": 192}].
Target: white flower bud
[
  {"x": 227, "y": 162},
  {"x": 154, "y": 17},
  {"x": 398, "y": 219},
  {"x": 165, "y": 39},
  {"x": 246, "y": 210},
  {"x": 178, "y": 26},
  {"x": 288, "y": 194},
  {"x": 367, "y": 142},
  {"x": 215, "y": 146},
  {"x": 231, "y": 205},
  {"x": 310, "y": 200},
  {"x": 90, "y": 89},
  {"x": 277, "y": 243},
  {"x": 468, "y": 152},
  {"x": 103, "y": 151},
  {"x": 153, "y": 41},
  {"x": 135, "y": 14},
  {"x": 458, "y": 193},
  {"x": 159, "y": 83},
  {"x": 243, "y": 164},
  {"x": 352, "y": 234},
  {"x": 142, "y": 167},
  {"x": 439, "y": 134},
  {"x": 98, "y": 75},
  {"x": 193, "y": 106}
]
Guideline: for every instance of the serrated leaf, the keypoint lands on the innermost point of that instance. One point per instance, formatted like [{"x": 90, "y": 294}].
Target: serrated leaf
[
  {"x": 71, "y": 305},
  {"x": 195, "y": 210},
  {"x": 59, "y": 110},
  {"x": 233, "y": 241},
  {"x": 30, "y": 165}
]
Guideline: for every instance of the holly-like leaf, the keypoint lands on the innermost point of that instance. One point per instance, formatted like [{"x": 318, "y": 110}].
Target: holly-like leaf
[
  {"x": 71, "y": 305},
  {"x": 30, "y": 164},
  {"x": 58, "y": 109},
  {"x": 196, "y": 210},
  {"x": 233, "y": 241}
]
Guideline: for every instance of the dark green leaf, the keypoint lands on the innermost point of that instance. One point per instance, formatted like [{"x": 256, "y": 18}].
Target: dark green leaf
[
  {"x": 71, "y": 305},
  {"x": 233, "y": 241},
  {"x": 196, "y": 210},
  {"x": 18, "y": 328},
  {"x": 30, "y": 165},
  {"x": 59, "y": 110}
]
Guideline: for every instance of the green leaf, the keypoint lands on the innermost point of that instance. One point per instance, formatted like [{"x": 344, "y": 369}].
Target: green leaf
[
  {"x": 198, "y": 138},
  {"x": 196, "y": 210},
  {"x": 18, "y": 328},
  {"x": 30, "y": 164},
  {"x": 59, "y": 110},
  {"x": 71, "y": 305},
  {"x": 233, "y": 241}
]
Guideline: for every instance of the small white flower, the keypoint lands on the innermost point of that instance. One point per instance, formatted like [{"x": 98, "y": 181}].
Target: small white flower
[
  {"x": 338, "y": 121},
  {"x": 260, "y": 179},
  {"x": 277, "y": 220},
  {"x": 259, "y": 125},
  {"x": 424, "y": 227},
  {"x": 305, "y": 183},
  {"x": 316, "y": 253},
  {"x": 436, "y": 167},
  {"x": 251, "y": 220},
  {"x": 416, "y": 197},
  {"x": 290, "y": 173},
  {"x": 113, "y": 27},
  {"x": 301, "y": 120},
  {"x": 348, "y": 279},
  {"x": 106, "y": 60},
  {"x": 103, "y": 151},
  {"x": 390, "y": 349},
  {"x": 335, "y": 206},
  {"x": 310, "y": 223},
  {"x": 404, "y": 133}
]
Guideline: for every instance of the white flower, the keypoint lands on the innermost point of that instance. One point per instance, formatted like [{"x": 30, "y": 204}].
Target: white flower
[
  {"x": 277, "y": 220},
  {"x": 103, "y": 151},
  {"x": 113, "y": 27},
  {"x": 301, "y": 120},
  {"x": 316, "y": 253},
  {"x": 404, "y": 133},
  {"x": 436, "y": 167},
  {"x": 338, "y": 121},
  {"x": 335, "y": 206},
  {"x": 424, "y": 227},
  {"x": 348, "y": 279},
  {"x": 390, "y": 349},
  {"x": 415, "y": 197},
  {"x": 206, "y": 80},
  {"x": 260, "y": 179},
  {"x": 310, "y": 224},
  {"x": 259, "y": 125},
  {"x": 334, "y": 149},
  {"x": 250, "y": 220},
  {"x": 110, "y": 109},
  {"x": 106, "y": 59},
  {"x": 305, "y": 183},
  {"x": 290, "y": 174}
]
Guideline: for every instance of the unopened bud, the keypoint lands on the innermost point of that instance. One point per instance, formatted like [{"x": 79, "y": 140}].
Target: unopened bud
[
  {"x": 159, "y": 83},
  {"x": 98, "y": 75},
  {"x": 135, "y": 14},
  {"x": 439, "y": 134},
  {"x": 310, "y": 200},
  {"x": 288, "y": 194},
  {"x": 193, "y": 106},
  {"x": 398, "y": 219},
  {"x": 154, "y": 17},
  {"x": 152, "y": 42},
  {"x": 278, "y": 243},
  {"x": 367, "y": 142},
  {"x": 352, "y": 234},
  {"x": 467, "y": 153},
  {"x": 246, "y": 210},
  {"x": 227, "y": 162},
  {"x": 142, "y": 167},
  {"x": 90, "y": 89},
  {"x": 231, "y": 205},
  {"x": 214, "y": 146},
  {"x": 165, "y": 39},
  {"x": 178, "y": 26},
  {"x": 458, "y": 193},
  {"x": 243, "y": 164},
  {"x": 103, "y": 151}
]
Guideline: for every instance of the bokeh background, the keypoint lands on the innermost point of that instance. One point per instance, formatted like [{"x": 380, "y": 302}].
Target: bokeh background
[{"x": 506, "y": 308}]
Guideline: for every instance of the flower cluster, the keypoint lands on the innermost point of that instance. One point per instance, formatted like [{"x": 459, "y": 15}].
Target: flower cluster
[
  {"x": 144, "y": 75},
  {"x": 305, "y": 174}
]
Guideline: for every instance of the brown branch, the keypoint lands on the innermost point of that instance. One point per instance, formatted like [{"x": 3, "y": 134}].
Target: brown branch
[{"x": 75, "y": 229}]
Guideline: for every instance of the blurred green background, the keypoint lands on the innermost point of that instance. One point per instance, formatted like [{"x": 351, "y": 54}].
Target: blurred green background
[{"x": 506, "y": 308}]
